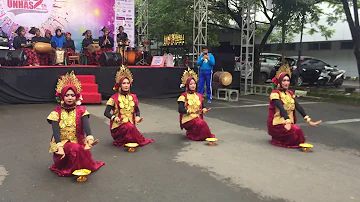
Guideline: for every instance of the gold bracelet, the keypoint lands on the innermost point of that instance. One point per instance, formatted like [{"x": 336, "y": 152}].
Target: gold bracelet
[
  {"x": 288, "y": 121},
  {"x": 89, "y": 137},
  {"x": 59, "y": 144},
  {"x": 307, "y": 118},
  {"x": 113, "y": 117}
]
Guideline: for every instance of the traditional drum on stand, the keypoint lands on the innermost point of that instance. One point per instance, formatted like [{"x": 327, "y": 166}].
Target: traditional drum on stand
[
  {"x": 131, "y": 56},
  {"x": 59, "y": 57},
  {"x": 41, "y": 47},
  {"x": 221, "y": 79},
  {"x": 92, "y": 48}
]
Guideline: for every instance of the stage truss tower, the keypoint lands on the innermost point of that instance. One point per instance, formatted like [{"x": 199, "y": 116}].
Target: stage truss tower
[
  {"x": 247, "y": 48},
  {"x": 199, "y": 27},
  {"x": 247, "y": 39},
  {"x": 143, "y": 33}
]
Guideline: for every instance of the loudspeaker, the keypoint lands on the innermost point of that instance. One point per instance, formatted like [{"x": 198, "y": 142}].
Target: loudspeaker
[
  {"x": 110, "y": 59},
  {"x": 12, "y": 57}
]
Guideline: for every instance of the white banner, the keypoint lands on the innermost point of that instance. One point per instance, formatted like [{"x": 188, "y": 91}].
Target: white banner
[{"x": 125, "y": 16}]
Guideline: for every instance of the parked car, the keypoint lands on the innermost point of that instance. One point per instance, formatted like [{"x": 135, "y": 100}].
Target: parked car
[
  {"x": 267, "y": 62},
  {"x": 308, "y": 72}
]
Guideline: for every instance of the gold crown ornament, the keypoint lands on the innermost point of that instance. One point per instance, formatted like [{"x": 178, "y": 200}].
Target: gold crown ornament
[
  {"x": 283, "y": 69},
  {"x": 188, "y": 73},
  {"x": 123, "y": 72},
  {"x": 66, "y": 80}
]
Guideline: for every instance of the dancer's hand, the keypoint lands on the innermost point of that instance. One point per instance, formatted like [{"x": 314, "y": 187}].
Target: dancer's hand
[
  {"x": 92, "y": 142},
  {"x": 205, "y": 111},
  {"x": 288, "y": 126},
  {"x": 314, "y": 124},
  {"x": 60, "y": 151},
  {"x": 138, "y": 119},
  {"x": 117, "y": 120}
]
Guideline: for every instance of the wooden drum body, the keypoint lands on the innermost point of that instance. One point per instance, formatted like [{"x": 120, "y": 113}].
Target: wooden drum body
[
  {"x": 131, "y": 56},
  {"x": 92, "y": 48},
  {"x": 223, "y": 78},
  {"x": 41, "y": 47}
]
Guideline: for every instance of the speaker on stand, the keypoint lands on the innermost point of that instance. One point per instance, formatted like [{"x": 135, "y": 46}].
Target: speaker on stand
[
  {"x": 12, "y": 57},
  {"x": 110, "y": 59}
]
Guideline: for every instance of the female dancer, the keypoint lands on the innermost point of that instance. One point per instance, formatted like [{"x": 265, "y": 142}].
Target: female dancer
[
  {"x": 69, "y": 144},
  {"x": 192, "y": 108},
  {"x": 125, "y": 112},
  {"x": 20, "y": 43},
  {"x": 282, "y": 116}
]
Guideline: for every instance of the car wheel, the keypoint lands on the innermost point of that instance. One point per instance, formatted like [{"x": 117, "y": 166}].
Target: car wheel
[
  {"x": 300, "y": 81},
  {"x": 263, "y": 78}
]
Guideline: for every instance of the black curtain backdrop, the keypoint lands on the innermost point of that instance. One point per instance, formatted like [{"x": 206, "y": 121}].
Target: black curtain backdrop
[{"x": 37, "y": 85}]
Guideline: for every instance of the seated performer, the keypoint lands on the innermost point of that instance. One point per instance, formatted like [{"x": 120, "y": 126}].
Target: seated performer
[
  {"x": 69, "y": 46},
  {"x": 282, "y": 115},
  {"x": 106, "y": 42},
  {"x": 44, "y": 58},
  {"x": 88, "y": 40},
  {"x": 48, "y": 36},
  {"x": 19, "y": 43},
  {"x": 192, "y": 108},
  {"x": 72, "y": 139},
  {"x": 57, "y": 42},
  {"x": 122, "y": 36},
  {"x": 125, "y": 112}
]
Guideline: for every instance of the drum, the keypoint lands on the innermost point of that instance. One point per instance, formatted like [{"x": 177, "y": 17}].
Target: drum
[
  {"x": 92, "y": 48},
  {"x": 223, "y": 78},
  {"x": 59, "y": 56},
  {"x": 41, "y": 47},
  {"x": 131, "y": 56}
]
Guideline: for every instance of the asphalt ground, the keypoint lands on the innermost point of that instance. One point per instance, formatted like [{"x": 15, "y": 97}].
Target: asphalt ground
[{"x": 243, "y": 166}]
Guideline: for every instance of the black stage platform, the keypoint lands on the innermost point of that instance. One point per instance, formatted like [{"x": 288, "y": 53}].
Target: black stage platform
[{"x": 31, "y": 85}]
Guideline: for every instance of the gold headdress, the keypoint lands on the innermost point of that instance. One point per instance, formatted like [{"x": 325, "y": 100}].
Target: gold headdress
[
  {"x": 67, "y": 80},
  {"x": 188, "y": 73},
  {"x": 283, "y": 69},
  {"x": 124, "y": 72}
]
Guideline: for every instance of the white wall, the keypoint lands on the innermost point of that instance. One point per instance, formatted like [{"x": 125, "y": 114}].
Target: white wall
[{"x": 344, "y": 59}]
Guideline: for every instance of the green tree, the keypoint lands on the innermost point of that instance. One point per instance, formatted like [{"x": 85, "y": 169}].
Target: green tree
[
  {"x": 342, "y": 10},
  {"x": 168, "y": 16}
]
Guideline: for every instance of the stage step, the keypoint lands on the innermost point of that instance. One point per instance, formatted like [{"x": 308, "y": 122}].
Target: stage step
[
  {"x": 90, "y": 87},
  {"x": 91, "y": 98},
  {"x": 84, "y": 79}
]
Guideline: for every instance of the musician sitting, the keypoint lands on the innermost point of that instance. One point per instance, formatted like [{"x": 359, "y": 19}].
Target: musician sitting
[
  {"x": 57, "y": 42},
  {"x": 44, "y": 58},
  {"x": 48, "y": 36},
  {"x": 69, "y": 46},
  {"x": 87, "y": 43},
  {"x": 20, "y": 43},
  {"x": 106, "y": 42}
]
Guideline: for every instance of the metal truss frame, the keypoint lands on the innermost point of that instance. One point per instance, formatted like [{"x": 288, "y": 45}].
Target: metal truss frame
[
  {"x": 247, "y": 48},
  {"x": 200, "y": 30},
  {"x": 143, "y": 31}
]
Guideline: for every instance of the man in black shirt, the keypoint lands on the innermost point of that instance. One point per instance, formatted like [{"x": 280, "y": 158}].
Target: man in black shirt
[{"x": 122, "y": 36}]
